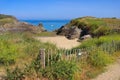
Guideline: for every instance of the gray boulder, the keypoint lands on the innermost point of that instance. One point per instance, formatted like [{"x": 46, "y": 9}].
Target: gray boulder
[
  {"x": 64, "y": 30},
  {"x": 74, "y": 32},
  {"x": 71, "y": 32},
  {"x": 85, "y": 37},
  {"x": 41, "y": 27}
]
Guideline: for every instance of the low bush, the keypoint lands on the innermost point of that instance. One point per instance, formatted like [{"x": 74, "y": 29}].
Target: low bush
[
  {"x": 15, "y": 74},
  {"x": 62, "y": 70},
  {"x": 97, "y": 26},
  {"x": 19, "y": 46},
  {"x": 99, "y": 58},
  {"x": 109, "y": 39},
  {"x": 100, "y": 52}
]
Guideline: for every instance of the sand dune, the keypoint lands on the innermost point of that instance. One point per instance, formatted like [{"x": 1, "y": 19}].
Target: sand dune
[{"x": 60, "y": 41}]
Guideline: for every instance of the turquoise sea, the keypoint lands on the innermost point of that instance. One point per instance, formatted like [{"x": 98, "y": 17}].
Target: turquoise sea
[{"x": 49, "y": 25}]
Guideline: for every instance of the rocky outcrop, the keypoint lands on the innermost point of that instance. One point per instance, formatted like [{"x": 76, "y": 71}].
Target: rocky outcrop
[
  {"x": 92, "y": 26},
  {"x": 64, "y": 30},
  {"x": 41, "y": 27},
  {"x": 20, "y": 27},
  {"x": 85, "y": 37},
  {"x": 74, "y": 32},
  {"x": 71, "y": 32},
  {"x": 11, "y": 24}
]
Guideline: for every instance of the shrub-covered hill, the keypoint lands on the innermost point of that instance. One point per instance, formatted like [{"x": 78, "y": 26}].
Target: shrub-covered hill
[
  {"x": 7, "y": 19},
  {"x": 90, "y": 25},
  {"x": 9, "y": 23},
  {"x": 6, "y": 16}
]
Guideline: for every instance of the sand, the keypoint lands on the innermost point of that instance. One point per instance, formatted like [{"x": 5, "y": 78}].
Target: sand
[
  {"x": 112, "y": 73},
  {"x": 60, "y": 41}
]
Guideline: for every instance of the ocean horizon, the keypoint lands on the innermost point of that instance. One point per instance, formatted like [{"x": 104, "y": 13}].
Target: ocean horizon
[{"x": 49, "y": 25}]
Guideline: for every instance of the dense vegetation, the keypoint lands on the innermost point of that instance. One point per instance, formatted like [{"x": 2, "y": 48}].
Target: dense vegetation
[
  {"x": 5, "y": 16},
  {"x": 19, "y": 52},
  {"x": 101, "y": 52},
  {"x": 6, "y": 19},
  {"x": 97, "y": 26},
  {"x": 19, "y": 46}
]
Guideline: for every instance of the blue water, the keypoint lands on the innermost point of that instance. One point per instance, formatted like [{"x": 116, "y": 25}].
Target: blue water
[{"x": 49, "y": 25}]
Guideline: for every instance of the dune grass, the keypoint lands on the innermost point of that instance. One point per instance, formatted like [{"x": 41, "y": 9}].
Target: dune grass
[
  {"x": 47, "y": 34},
  {"x": 97, "y": 26},
  {"x": 102, "y": 52},
  {"x": 19, "y": 56},
  {"x": 100, "y": 41},
  {"x": 19, "y": 46}
]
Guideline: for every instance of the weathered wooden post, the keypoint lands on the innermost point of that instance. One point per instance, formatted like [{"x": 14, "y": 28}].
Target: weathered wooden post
[{"x": 42, "y": 57}]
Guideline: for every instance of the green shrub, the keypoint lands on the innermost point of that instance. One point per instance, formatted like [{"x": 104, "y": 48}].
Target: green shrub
[
  {"x": 2, "y": 16},
  {"x": 47, "y": 34},
  {"x": 97, "y": 26},
  {"x": 99, "y": 58},
  {"x": 8, "y": 53},
  {"x": 62, "y": 70},
  {"x": 16, "y": 74},
  {"x": 100, "y": 41},
  {"x": 19, "y": 46},
  {"x": 6, "y": 20},
  {"x": 4, "y": 61}
]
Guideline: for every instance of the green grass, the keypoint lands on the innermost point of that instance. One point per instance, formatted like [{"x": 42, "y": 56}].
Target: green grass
[
  {"x": 101, "y": 52},
  {"x": 99, "y": 58},
  {"x": 47, "y": 34},
  {"x": 19, "y": 46},
  {"x": 99, "y": 41},
  {"x": 2, "y": 16},
  {"x": 20, "y": 54},
  {"x": 6, "y": 20},
  {"x": 96, "y": 26}
]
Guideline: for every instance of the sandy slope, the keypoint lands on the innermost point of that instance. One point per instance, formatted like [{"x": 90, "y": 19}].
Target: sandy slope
[
  {"x": 112, "y": 73},
  {"x": 60, "y": 41}
]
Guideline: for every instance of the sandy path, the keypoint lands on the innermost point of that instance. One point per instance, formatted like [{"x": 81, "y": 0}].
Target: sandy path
[
  {"x": 112, "y": 73},
  {"x": 60, "y": 41}
]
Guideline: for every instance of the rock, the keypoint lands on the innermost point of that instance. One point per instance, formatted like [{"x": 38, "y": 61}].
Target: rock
[
  {"x": 85, "y": 37},
  {"x": 73, "y": 33},
  {"x": 41, "y": 27},
  {"x": 40, "y": 24},
  {"x": 64, "y": 30}
]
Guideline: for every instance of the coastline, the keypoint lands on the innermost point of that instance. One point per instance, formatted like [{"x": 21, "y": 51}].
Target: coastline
[{"x": 49, "y": 25}]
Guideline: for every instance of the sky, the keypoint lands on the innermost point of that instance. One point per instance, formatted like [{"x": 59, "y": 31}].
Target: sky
[{"x": 60, "y": 9}]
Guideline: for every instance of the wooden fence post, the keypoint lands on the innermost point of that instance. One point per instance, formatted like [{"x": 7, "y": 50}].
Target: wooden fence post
[{"x": 42, "y": 57}]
